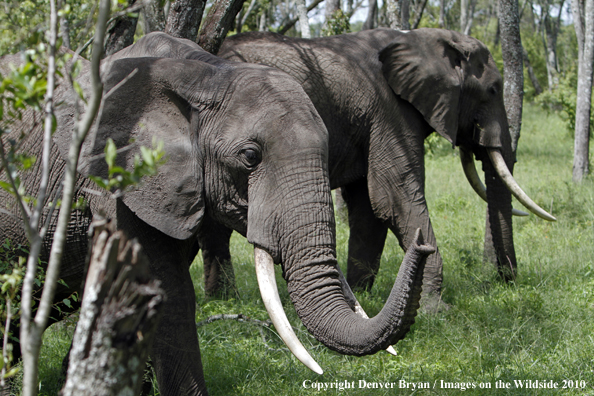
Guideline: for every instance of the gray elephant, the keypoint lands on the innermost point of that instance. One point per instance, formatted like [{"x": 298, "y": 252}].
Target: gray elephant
[
  {"x": 246, "y": 147},
  {"x": 381, "y": 93}
]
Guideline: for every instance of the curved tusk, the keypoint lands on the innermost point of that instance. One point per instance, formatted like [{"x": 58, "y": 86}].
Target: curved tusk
[
  {"x": 475, "y": 181},
  {"x": 514, "y": 188},
  {"x": 272, "y": 302},
  {"x": 355, "y": 305}
]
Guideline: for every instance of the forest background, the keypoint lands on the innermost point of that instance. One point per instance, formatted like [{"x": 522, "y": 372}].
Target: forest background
[{"x": 539, "y": 327}]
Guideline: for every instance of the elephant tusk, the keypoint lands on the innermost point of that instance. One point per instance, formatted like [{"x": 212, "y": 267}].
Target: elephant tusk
[
  {"x": 272, "y": 302},
  {"x": 355, "y": 305},
  {"x": 514, "y": 188},
  {"x": 474, "y": 180}
]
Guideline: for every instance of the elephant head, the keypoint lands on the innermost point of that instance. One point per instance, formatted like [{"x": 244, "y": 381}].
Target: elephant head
[
  {"x": 452, "y": 80},
  {"x": 245, "y": 145}
]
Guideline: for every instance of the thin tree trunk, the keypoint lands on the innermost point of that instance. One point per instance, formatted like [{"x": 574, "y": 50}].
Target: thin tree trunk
[
  {"x": 184, "y": 18},
  {"x": 119, "y": 315},
  {"x": 303, "y": 19},
  {"x": 394, "y": 14},
  {"x": 584, "y": 92},
  {"x": 371, "y": 20},
  {"x": 463, "y": 15},
  {"x": 218, "y": 23},
  {"x": 243, "y": 17},
  {"x": 513, "y": 71},
  {"x": 419, "y": 14},
  {"x": 531, "y": 74},
  {"x": 466, "y": 15},
  {"x": 293, "y": 21},
  {"x": 121, "y": 33},
  {"x": 442, "y": 14},
  {"x": 32, "y": 328},
  {"x": 550, "y": 33},
  {"x": 64, "y": 28},
  {"x": 405, "y": 14}
]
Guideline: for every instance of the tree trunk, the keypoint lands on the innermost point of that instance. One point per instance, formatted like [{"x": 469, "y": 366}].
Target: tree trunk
[
  {"x": 405, "y": 14},
  {"x": 442, "y": 14},
  {"x": 513, "y": 71},
  {"x": 331, "y": 7},
  {"x": 394, "y": 14},
  {"x": 584, "y": 92},
  {"x": 293, "y": 21},
  {"x": 550, "y": 33},
  {"x": 154, "y": 17},
  {"x": 242, "y": 18},
  {"x": 531, "y": 74},
  {"x": 121, "y": 33},
  {"x": 64, "y": 28},
  {"x": 371, "y": 20},
  {"x": 303, "y": 19},
  {"x": 119, "y": 314},
  {"x": 463, "y": 15},
  {"x": 184, "y": 18},
  {"x": 218, "y": 23},
  {"x": 419, "y": 14}
]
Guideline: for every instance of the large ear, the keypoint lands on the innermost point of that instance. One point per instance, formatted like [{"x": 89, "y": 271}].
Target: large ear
[
  {"x": 155, "y": 98},
  {"x": 424, "y": 68}
]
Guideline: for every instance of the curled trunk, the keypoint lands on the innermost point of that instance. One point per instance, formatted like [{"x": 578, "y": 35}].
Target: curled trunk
[{"x": 320, "y": 303}]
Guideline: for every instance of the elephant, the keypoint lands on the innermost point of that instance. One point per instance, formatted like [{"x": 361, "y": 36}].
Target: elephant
[
  {"x": 380, "y": 93},
  {"x": 246, "y": 148}
]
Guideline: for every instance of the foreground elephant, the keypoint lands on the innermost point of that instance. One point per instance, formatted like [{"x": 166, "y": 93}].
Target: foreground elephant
[
  {"x": 381, "y": 93},
  {"x": 245, "y": 146}
]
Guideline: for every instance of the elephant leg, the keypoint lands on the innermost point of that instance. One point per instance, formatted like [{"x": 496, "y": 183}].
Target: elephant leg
[
  {"x": 219, "y": 278},
  {"x": 175, "y": 352},
  {"x": 397, "y": 196},
  {"x": 366, "y": 239}
]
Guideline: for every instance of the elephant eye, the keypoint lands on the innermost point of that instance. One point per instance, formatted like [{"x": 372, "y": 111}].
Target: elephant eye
[
  {"x": 493, "y": 90},
  {"x": 252, "y": 157}
]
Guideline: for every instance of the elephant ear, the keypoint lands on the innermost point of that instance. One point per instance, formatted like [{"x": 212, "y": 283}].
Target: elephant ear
[
  {"x": 424, "y": 68},
  {"x": 153, "y": 98}
]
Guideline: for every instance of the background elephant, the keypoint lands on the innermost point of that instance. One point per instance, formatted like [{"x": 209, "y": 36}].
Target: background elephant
[
  {"x": 381, "y": 93},
  {"x": 246, "y": 146}
]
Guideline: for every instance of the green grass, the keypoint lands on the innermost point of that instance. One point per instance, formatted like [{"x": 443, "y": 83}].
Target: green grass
[{"x": 539, "y": 328}]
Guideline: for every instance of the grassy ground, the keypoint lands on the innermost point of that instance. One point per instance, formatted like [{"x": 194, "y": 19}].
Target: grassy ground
[{"x": 540, "y": 327}]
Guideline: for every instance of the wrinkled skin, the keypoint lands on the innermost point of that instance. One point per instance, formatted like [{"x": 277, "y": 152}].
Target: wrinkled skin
[
  {"x": 246, "y": 149},
  {"x": 381, "y": 93}
]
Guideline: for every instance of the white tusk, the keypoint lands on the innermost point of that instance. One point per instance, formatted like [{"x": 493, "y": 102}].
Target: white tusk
[
  {"x": 272, "y": 302},
  {"x": 357, "y": 308},
  {"x": 514, "y": 188},
  {"x": 466, "y": 157}
]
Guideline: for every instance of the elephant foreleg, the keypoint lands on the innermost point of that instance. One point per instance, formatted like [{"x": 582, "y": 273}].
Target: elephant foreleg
[
  {"x": 219, "y": 278},
  {"x": 366, "y": 239},
  {"x": 175, "y": 352}
]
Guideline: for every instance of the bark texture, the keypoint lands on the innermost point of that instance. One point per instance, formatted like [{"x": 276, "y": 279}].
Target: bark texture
[
  {"x": 184, "y": 18},
  {"x": 217, "y": 23},
  {"x": 513, "y": 74},
  {"x": 584, "y": 92},
  {"x": 154, "y": 17},
  {"x": 393, "y": 13},
  {"x": 121, "y": 33},
  {"x": 119, "y": 314}
]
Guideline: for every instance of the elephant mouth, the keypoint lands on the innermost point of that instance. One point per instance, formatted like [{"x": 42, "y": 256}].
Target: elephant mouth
[{"x": 466, "y": 157}]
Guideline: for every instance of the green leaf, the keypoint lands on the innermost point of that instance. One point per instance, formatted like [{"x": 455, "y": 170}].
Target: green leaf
[{"x": 67, "y": 303}]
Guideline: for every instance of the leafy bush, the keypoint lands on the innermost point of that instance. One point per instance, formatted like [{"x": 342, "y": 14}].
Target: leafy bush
[{"x": 562, "y": 100}]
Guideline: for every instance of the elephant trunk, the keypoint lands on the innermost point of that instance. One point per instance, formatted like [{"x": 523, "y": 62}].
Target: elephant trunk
[
  {"x": 320, "y": 302},
  {"x": 500, "y": 241}
]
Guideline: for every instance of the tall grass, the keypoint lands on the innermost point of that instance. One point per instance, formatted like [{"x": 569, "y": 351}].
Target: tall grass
[{"x": 540, "y": 327}]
